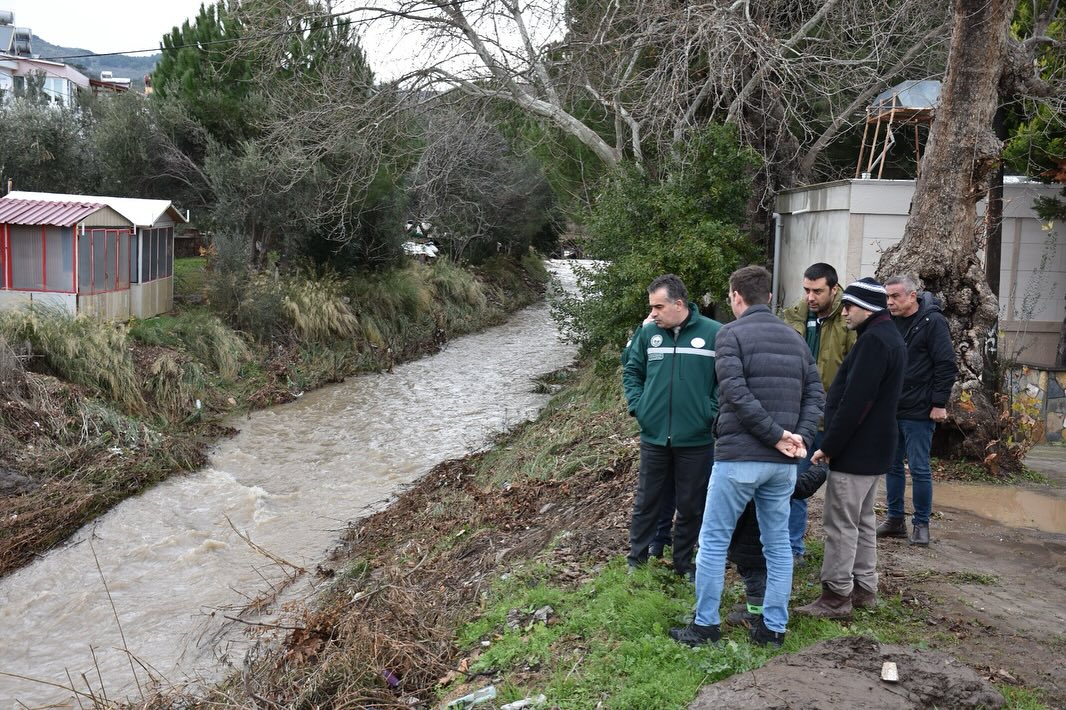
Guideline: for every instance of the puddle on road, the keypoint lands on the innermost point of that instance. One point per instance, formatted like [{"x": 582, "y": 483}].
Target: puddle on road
[{"x": 1012, "y": 507}]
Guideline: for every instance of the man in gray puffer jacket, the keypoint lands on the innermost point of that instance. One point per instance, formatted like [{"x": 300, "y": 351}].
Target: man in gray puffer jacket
[{"x": 770, "y": 402}]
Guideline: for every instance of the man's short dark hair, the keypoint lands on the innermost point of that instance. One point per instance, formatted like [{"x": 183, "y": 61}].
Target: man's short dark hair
[
  {"x": 821, "y": 270},
  {"x": 675, "y": 287},
  {"x": 752, "y": 283}
]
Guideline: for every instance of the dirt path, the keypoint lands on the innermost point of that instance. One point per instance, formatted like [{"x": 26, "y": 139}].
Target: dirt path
[{"x": 995, "y": 598}]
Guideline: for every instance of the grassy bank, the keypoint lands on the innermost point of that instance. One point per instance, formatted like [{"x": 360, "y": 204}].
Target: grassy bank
[
  {"x": 93, "y": 412},
  {"x": 506, "y": 569}
]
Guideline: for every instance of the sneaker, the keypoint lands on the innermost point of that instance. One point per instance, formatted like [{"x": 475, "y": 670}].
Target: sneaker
[
  {"x": 695, "y": 635},
  {"x": 762, "y": 636},
  {"x": 920, "y": 534},
  {"x": 798, "y": 560},
  {"x": 892, "y": 527}
]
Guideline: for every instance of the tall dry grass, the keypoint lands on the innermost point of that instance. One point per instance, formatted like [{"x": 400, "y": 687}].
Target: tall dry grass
[{"x": 84, "y": 350}]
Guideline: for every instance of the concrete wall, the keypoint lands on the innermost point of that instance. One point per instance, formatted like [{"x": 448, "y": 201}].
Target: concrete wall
[
  {"x": 14, "y": 299},
  {"x": 850, "y": 223}
]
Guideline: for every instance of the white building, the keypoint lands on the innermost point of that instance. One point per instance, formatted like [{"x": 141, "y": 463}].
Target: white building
[{"x": 849, "y": 223}]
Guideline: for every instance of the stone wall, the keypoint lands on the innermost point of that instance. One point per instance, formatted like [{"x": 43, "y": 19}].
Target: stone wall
[{"x": 1040, "y": 394}]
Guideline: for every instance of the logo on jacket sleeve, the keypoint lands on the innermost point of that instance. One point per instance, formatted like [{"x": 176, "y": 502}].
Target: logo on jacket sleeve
[
  {"x": 656, "y": 340},
  {"x": 698, "y": 342}
]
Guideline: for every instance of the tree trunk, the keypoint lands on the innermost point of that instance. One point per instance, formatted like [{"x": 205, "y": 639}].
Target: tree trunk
[{"x": 940, "y": 243}]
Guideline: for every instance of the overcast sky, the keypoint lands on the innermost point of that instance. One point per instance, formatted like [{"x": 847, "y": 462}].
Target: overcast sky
[{"x": 125, "y": 26}]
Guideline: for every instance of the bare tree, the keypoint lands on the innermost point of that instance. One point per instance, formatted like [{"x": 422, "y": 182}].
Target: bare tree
[
  {"x": 472, "y": 188},
  {"x": 628, "y": 79}
]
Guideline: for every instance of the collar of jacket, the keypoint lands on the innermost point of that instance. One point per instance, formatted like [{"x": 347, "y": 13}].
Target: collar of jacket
[
  {"x": 758, "y": 308},
  {"x": 879, "y": 317}
]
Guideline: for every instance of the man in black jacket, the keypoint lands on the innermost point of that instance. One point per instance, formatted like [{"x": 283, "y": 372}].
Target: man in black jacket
[
  {"x": 931, "y": 372},
  {"x": 859, "y": 443}
]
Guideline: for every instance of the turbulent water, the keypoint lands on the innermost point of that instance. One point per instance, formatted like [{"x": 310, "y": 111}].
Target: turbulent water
[{"x": 155, "y": 583}]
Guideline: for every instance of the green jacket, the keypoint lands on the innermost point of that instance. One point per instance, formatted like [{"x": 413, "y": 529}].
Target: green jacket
[
  {"x": 835, "y": 342},
  {"x": 670, "y": 386}
]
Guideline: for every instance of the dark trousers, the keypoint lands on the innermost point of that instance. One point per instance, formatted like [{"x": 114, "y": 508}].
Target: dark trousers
[
  {"x": 665, "y": 526},
  {"x": 754, "y": 584},
  {"x": 689, "y": 466}
]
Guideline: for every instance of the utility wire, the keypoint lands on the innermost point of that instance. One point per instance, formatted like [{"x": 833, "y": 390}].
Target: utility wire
[{"x": 209, "y": 43}]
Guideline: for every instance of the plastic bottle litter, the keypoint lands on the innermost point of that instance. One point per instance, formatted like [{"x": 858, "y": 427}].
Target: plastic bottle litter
[
  {"x": 525, "y": 703},
  {"x": 478, "y": 696}
]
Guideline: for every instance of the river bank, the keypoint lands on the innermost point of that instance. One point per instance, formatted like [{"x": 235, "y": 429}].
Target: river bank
[
  {"x": 506, "y": 569},
  {"x": 72, "y": 447}
]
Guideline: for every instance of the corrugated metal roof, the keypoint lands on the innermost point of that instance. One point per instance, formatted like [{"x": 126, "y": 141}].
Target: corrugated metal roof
[
  {"x": 59, "y": 214},
  {"x": 909, "y": 94},
  {"x": 143, "y": 213}
]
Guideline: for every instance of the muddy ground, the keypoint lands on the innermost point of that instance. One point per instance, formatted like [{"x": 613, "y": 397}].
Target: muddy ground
[{"x": 994, "y": 597}]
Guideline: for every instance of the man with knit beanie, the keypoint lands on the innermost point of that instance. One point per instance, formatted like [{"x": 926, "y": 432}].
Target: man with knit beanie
[{"x": 859, "y": 445}]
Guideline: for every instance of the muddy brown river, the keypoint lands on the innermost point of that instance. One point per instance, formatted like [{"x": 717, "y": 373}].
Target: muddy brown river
[{"x": 154, "y": 584}]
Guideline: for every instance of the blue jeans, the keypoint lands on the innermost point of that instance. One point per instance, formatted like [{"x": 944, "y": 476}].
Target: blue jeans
[
  {"x": 915, "y": 439},
  {"x": 797, "y": 515},
  {"x": 733, "y": 484}
]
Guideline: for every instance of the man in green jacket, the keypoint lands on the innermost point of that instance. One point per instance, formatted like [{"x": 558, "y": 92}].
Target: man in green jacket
[
  {"x": 671, "y": 389},
  {"x": 817, "y": 317}
]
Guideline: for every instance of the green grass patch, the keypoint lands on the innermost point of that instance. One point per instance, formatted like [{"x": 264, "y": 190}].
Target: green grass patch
[
  {"x": 607, "y": 640},
  {"x": 1022, "y": 698},
  {"x": 190, "y": 276}
]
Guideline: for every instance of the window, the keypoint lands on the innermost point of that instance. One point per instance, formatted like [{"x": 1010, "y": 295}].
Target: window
[
  {"x": 157, "y": 253},
  {"x": 41, "y": 258}
]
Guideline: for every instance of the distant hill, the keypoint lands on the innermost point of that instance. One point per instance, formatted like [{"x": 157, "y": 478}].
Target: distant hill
[{"x": 120, "y": 65}]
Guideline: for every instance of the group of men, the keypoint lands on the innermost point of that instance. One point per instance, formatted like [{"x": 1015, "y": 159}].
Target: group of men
[{"x": 852, "y": 381}]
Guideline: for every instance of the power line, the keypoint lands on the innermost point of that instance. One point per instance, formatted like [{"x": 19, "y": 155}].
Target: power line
[{"x": 264, "y": 35}]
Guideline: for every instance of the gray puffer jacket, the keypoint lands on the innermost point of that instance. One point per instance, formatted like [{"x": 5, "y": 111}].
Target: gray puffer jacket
[{"x": 767, "y": 383}]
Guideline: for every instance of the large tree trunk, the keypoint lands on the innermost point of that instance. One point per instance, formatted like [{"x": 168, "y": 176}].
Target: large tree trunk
[{"x": 940, "y": 243}]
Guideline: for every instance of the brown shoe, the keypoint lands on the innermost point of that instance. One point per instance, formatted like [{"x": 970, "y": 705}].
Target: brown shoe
[
  {"x": 892, "y": 527},
  {"x": 863, "y": 598},
  {"x": 828, "y": 606},
  {"x": 920, "y": 534}
]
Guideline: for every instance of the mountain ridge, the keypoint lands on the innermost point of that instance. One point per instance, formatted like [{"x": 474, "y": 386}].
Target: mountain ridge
[{"x": 120, "y": 65}]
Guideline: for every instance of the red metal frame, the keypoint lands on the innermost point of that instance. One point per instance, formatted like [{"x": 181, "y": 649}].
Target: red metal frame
[
  {"x": 5, "y": 248},
  {"x": 90, "y": 234}
]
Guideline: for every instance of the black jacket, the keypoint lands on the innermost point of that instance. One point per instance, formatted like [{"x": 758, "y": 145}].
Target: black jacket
[
  {"x": 860, "y": 409},
  {"x": 745, "y": 548},
  {"x": 931, "y": 368},
  {"x": 767, "y": 383}
]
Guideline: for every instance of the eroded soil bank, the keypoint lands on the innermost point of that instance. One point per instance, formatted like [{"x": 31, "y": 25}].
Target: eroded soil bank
[{"x": 992, "y": 597}]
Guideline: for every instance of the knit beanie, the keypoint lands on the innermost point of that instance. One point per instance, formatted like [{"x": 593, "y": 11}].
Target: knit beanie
[{"x": 868, "y": 294}]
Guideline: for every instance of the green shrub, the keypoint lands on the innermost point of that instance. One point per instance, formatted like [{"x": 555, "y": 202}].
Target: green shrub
[{"x": 691, "y": 223}]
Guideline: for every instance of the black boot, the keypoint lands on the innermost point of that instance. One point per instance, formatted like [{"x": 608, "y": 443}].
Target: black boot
[
  {"x": 762, "y": 636},
  {"x": 920, "y": 534},
  {"x": 696, "y": 635}
]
